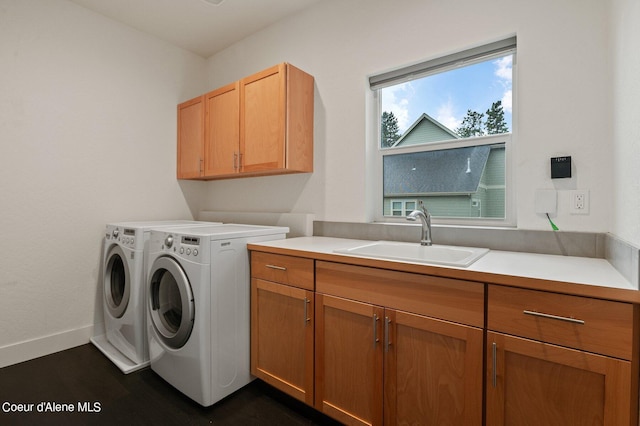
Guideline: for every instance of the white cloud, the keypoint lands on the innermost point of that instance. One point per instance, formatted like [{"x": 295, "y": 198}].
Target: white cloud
[
  {"x": 504, "y": 71},
  {"x": 395, "y": 99},
  {"x": 507, "y": 101},
  {"x": 446, "y": 116},
  {"x": 504, "y": 68}
]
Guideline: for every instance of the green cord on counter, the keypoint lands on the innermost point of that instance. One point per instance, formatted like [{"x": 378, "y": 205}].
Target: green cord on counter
[{"x": 553, "y": 225}]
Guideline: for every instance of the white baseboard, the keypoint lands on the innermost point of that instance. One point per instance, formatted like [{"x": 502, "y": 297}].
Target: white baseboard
[{"x": 35, "y": 348}]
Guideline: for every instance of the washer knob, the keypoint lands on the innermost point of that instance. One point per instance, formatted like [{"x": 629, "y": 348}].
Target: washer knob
[
  {"x": 168, "y": 241},
  {"x": 115, "y": 233}
]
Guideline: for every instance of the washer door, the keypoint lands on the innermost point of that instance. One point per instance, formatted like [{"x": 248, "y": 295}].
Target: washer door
[
  {"x": 117, "y": 282},
  {"x": 171, "y": 302}
]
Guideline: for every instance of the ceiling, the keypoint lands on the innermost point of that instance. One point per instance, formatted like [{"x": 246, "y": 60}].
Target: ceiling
[{"x": 197, "y": 25}]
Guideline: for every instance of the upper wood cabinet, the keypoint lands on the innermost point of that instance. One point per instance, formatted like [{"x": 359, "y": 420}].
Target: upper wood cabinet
[
  {"x": 222, "y": 131},
  {"x": 259, "y": 125},
  {"x": 190, "y": 138}
]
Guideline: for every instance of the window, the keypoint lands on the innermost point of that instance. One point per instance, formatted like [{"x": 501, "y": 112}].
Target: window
[
  {"x": 401, "y": 207},
  {"x": 445, "y": 129}
]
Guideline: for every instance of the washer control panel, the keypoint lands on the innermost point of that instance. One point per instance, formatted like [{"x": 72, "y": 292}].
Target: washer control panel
[
  {"x": 184, "y": 245},
  {"x": 125, "y": 236}
]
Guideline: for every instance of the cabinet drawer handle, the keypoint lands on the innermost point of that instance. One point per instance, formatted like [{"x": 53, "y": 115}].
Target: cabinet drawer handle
[
  {"x": 387, "y": 340},
  {"x": 306, "y": 311},
  {"x": 494, "y": 373},
  {"x": 375, "y": 330},
  {"x": 555, "y": 317},
  {"x": 279, "y": 268}
]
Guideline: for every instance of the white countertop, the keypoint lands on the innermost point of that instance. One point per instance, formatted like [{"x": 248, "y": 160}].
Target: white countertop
[{"x": 569, "y": 269}]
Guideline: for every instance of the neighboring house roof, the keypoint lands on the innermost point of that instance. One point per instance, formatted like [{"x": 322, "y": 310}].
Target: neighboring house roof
[
  {"x": 449, "y": 171},
  {"x": 424, "y": 130}
]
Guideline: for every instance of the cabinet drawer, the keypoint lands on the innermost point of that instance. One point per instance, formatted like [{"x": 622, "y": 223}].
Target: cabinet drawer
[
  {"x": 584, "y": 323},
  {"x": 290, "y": 270},
  {"x": 444, "y": 298}
]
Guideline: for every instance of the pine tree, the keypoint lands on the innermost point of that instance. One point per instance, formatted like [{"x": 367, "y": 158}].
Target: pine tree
[
  {"x": 389, "y": 131},
  {"x": 495, "y": 119},
  {"x": 472, "y": 125}
]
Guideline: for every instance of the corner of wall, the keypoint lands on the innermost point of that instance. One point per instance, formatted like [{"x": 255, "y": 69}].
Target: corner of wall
[{"x": 46, "y": 345}]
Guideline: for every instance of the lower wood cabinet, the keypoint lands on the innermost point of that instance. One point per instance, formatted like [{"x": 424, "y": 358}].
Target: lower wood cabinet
[
  {"x": 534, "y": 383},
  {"x": 349, "y": 360},
  {"x": 384, "y": 366},
  {"x": 370, "y": 346},
  {"x": 558, "y": 359},
  {"x": 433, "y": 371},
  {"x": 282, "y": 337}
]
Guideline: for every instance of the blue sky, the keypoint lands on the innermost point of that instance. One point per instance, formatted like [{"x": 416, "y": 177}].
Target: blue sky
[{"x": 447, "y": 96}]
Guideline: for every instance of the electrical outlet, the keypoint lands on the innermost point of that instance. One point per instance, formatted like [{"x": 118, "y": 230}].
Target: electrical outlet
[{"x": 579, "y": 201}]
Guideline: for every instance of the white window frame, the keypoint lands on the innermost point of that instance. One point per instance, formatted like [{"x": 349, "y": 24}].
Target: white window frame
[
  {"x": 413, "y": 72},
  {"x": 404, "y": 209}
]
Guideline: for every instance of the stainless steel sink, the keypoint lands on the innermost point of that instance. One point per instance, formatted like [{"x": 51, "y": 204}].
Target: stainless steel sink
[{"x": 414, "y": 252}]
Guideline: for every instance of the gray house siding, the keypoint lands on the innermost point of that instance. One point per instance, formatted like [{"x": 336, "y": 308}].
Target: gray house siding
[{"x": 424, "y": 130}]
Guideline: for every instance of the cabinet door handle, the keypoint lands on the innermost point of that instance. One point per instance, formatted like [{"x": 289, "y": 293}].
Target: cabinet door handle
[
  {"x": 494, "y": 374},
  {"x": 201, "y": 163},
  {"x": 279, "y": 268},
  {"x": 375, "y": 330},
  {"x": 387, "y": 339},
  {"x": 555, "y": 317},
  {"x": 306, "y": 311},
  {"x": 235, "y": 161}
]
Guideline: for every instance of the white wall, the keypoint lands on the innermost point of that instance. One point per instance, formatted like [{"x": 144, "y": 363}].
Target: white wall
[
  {"x": 563, "y": 98},
  {"x": 87, "y": 136},
  {"x": 626, "y": 107},
  {"x": 87, "y": 128}
]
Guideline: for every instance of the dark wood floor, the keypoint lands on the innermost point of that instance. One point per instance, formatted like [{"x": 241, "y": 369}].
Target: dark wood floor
[{"x": 83, "y": 375}]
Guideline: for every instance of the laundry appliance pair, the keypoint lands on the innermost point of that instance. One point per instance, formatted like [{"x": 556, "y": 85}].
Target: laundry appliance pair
[
  {"x": 198, "y": 296},
  {"x": 123, "y": 295}
]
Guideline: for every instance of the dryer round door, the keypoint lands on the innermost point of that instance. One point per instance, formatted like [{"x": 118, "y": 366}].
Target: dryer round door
[
  {"x": 117, "y": 282},
  {"x": 171, "y": 302}
]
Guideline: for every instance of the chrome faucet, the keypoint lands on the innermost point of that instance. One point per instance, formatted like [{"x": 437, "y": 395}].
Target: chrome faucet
[{"x": 425, "y": 217}]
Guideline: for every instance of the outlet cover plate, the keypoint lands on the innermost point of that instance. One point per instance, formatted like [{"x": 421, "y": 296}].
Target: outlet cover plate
[{"x": 579, "y": 201}]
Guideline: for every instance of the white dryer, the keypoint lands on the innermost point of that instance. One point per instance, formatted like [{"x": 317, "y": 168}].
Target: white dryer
[
  {"x": 125, "y": 338},
  {"x": 198, "y": 292}
]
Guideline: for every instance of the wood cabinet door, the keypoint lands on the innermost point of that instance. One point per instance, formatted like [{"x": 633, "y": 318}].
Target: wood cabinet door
[
  {"x": 433, "y": 371},
  {"x": 282, "y": 337},
  {"x": 349, "y": 360},
  {"x": 222, "y": 131},
  {"x": 190, "y": 138},
  {"x": 262, "y": 120},
  {"x": 534, "y": 383}
]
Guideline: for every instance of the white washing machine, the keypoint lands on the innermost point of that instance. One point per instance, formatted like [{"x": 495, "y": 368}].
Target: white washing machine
[
  {"x": 124, "y": 302},
  {"x": 198, "y": 293}
]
